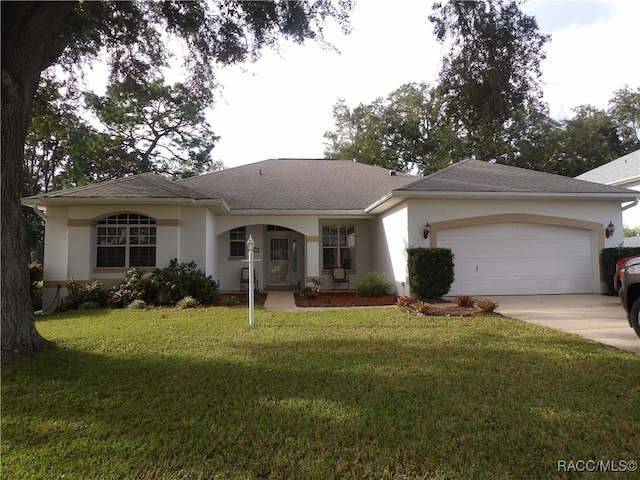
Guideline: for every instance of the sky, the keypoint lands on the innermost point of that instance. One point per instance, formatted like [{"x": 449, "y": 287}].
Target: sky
[{"x": 281, "y": 105}]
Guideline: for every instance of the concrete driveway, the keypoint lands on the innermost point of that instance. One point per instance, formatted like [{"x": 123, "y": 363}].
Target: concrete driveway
[{"x": 598, "y": 317}]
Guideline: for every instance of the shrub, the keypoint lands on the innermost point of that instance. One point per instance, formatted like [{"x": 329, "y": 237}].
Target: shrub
[
  {"x": 81, "y": 293},
  {"x": 180, "y": 280},
  {"x": 421, "y": 307},
  {"x": 430, "y": 271},
  {"x": 231, "y": 301},
  {"x": 375, "y": 284},
  {"x": 487, "y": 306},
  {"x": 309, "y": 292},
  {"x": 316, "y": 284},
  {"x": 135, "y": 287},
  {"x": 35, "y": 279},
  {"x": 404, "y": 301},
  {"x": 465, "y": 301},
  {"x": 137, "y": 305},
  {"x": 187, "y": 302},
  {"x": 37, "y": 290}
]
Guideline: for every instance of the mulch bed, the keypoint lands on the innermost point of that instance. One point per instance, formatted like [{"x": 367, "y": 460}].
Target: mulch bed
[
  {"x": 259, "y": 298},
  {"x": 349, "y": 299},
  {"x": 343, "y": 299}
]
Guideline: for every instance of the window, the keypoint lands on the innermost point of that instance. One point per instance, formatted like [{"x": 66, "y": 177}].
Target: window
[
  {"x": 338, "y": 247},
  {"x": 237, "y": 241},
  {"x": 126, "y": 240}
]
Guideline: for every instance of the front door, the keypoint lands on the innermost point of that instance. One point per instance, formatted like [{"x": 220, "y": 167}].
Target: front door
[{"x": 279, "y": 262}]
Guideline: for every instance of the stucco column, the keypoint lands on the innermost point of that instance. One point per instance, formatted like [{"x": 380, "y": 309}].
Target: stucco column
[{"x": 313, "y": 257}]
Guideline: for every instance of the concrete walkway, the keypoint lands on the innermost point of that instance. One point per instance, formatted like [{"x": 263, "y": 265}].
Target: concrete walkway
[
  {"x": 282, "y": 301},
  {"x": 597, "y": 317}
]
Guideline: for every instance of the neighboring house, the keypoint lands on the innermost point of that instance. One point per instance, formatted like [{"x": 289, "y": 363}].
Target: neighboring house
[
  {"x": 623, "y": 172},
  {"x": 512, "y": 231}
]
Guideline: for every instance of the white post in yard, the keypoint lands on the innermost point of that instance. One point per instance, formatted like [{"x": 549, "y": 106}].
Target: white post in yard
[{"x": 251, "y": 245}]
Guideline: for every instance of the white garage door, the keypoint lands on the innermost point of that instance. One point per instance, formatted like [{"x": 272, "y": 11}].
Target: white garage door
[{"x": 520, "y": 258}]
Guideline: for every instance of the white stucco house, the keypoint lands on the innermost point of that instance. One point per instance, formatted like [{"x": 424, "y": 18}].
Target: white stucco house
[
  {"x": 512, "y": 231},
  {"x": 623, "y": 172}
]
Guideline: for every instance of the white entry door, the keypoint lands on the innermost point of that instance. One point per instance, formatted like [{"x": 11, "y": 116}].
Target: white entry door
[{"x": 279, "y": 262}]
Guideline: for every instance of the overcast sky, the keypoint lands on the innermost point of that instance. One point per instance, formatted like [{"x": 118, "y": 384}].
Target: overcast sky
[{"x": 281, "y": 106}]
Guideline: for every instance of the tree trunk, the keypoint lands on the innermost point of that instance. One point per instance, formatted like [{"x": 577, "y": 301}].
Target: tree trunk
[{"x": 28, "y": 28}]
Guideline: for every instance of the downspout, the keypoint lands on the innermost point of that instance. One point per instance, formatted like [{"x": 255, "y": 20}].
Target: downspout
[
  {"x": 43, "y": 215},
  {"x": 631, "y": 205}
]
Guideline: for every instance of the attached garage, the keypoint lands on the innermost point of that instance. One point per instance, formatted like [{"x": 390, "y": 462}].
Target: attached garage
[
  {"x": 512, "y": 231},
  {"x": 521, "y": 258}
]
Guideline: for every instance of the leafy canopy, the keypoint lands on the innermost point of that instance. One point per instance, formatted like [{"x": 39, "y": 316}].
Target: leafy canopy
[{"x": 492, "y": 71}]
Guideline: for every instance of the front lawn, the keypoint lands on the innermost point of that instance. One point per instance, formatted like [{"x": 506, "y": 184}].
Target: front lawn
[{"x": 348, "y": 394}]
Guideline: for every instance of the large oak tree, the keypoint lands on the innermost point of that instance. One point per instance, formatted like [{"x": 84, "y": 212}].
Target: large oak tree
[
  {"x": 37, "y": 35},
  {"x": 491, "y": 74}
]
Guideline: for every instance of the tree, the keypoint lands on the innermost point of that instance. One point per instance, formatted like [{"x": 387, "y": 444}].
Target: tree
[
  {"x": 150, "y": 127},
  {"x": 491, "y": 74},
  {"x": 406, "y": 130},
  {"x": 37, "y": 35},
  {"x": 51, "y": 138},
  {"x": 589, "y": 139},
  {"x": 624, "y": 109}
]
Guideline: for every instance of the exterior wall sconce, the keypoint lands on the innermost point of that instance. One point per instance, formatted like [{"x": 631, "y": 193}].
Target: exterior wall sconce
[
  {"x": 426, "y": 230},
  {"x": 610, "y": 229}
]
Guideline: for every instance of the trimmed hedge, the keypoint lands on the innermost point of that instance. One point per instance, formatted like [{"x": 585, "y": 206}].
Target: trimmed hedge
[
  {"x": 430, "y": 271},
  {"x": 608, "y": 259}
]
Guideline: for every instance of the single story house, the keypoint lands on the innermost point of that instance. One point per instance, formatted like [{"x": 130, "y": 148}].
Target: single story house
[
  {"x": 623, "y": 172},
  {"x": 512, "y": 231}
]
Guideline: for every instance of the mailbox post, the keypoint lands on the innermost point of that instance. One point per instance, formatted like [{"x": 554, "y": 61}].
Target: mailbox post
[{"x": 251, "y": 244}]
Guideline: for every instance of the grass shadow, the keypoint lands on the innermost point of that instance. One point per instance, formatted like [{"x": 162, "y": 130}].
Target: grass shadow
[{"x": 449, "y": 398}]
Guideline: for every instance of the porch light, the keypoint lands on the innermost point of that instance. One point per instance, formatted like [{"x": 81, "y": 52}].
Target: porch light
[
  {"x": 426, "y": 230},
  {"x": 610, "y": 229}
]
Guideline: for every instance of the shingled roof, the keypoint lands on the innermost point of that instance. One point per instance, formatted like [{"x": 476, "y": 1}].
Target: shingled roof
[
  {"x": 330, "y": 185},
  {"x": 621, "y": 170},
  {"x": 144, "y": 185},
  {"x": 475, "y": 176},
  {"x": 295, "y": 184}
]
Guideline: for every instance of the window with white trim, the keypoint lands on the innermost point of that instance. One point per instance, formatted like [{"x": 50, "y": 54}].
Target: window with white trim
[
  {"x": 338, "y": 247},
  {"x": 237, "y": 241},
  {"x": 126, "y": 240}
]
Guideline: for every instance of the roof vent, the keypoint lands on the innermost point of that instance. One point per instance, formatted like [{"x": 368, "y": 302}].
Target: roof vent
[{"x": 392, "y": 173}]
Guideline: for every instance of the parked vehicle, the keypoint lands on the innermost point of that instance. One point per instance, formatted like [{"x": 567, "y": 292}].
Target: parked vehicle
[
  {"x": 629, "y": 292},
  {"x": 619, "y": 264}
]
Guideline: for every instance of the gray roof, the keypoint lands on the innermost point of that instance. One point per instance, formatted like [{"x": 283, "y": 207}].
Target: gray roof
[
  {"x": 618, "y": 171},
  {"x": 295, "y": 184},
  {"x": 144, "y": 185},
  {"x": 326, "y": 185},
  {"x": 475, "y": 176}
]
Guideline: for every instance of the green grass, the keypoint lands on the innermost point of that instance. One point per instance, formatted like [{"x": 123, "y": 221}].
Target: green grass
[{"x": 349, "y": 394}]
